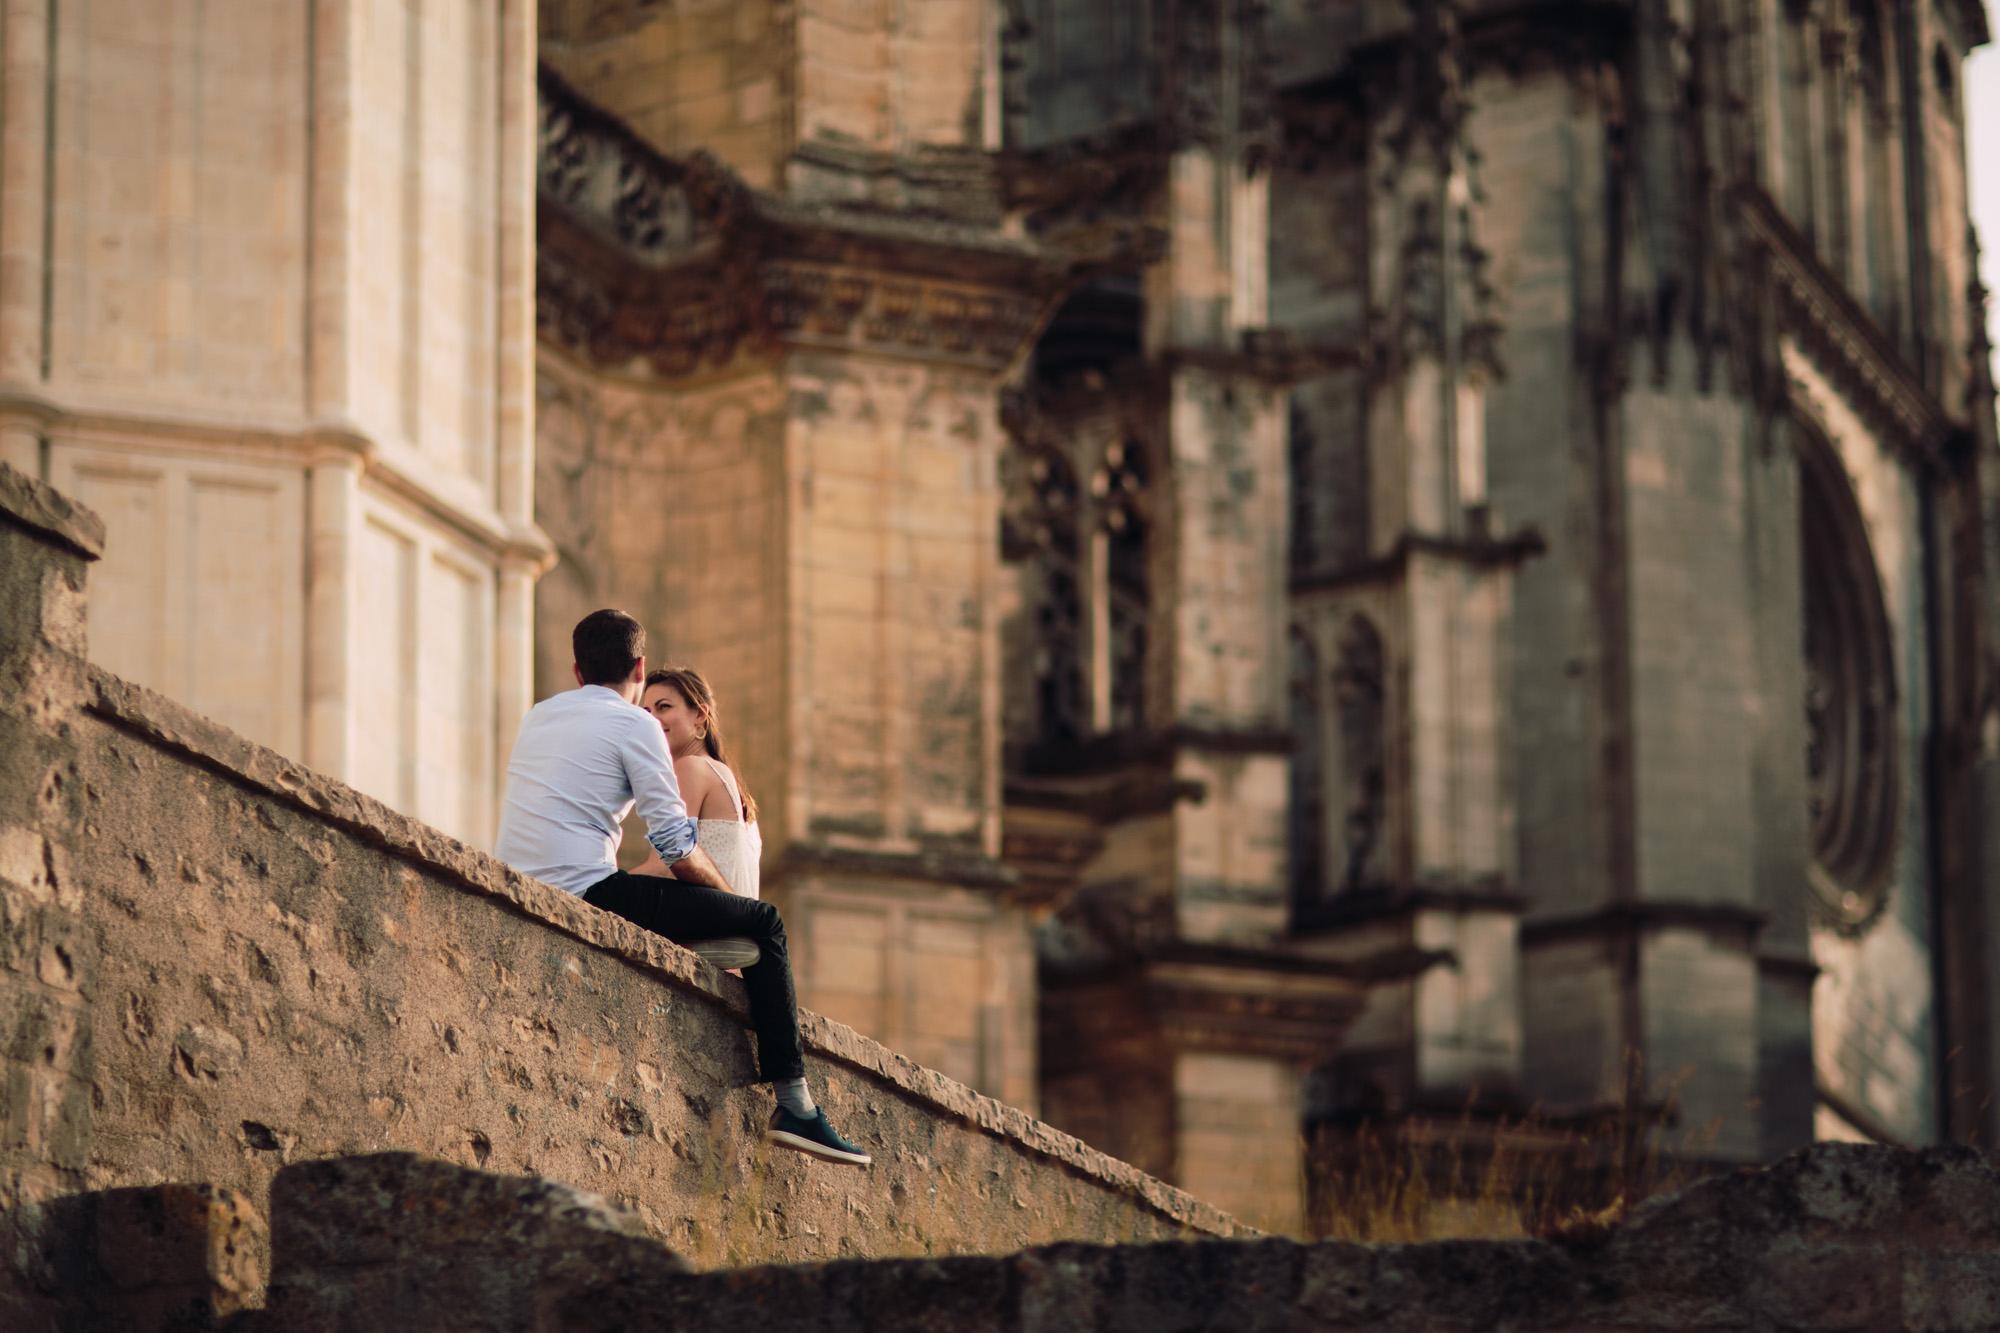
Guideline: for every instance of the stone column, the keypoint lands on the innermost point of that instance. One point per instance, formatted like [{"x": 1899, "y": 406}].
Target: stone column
[
  {"x": 334, "y": 497},
  {"x": 24, "y": 166}
]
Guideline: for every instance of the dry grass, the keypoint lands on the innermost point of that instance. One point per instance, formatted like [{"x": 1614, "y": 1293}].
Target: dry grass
[{"x": 1497, "y": 1177}]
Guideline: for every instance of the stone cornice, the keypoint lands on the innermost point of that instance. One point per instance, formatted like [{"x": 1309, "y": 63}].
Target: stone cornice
[
  {"x": 1245, "y": 1005},
  {"x": 1047, "y": 848},
  {"x": 964, "y": 868},
  {"x": 1148, "y": 749},
  {"x": 676, "y": 266},
  {"x": 1971, "y": 15},
  {"x": 1373, "y": 906},
  {"x": 1475, "y": 551},
  {"x": 1210, "y": 997},
  {"x": 455, "y": 502},
  {"x": 1815, "y": 308},
  {"x": 1621, "y": 920}
]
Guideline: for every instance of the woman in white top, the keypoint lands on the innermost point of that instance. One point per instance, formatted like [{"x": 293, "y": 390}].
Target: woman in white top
[{"x": 725, "y": 816}]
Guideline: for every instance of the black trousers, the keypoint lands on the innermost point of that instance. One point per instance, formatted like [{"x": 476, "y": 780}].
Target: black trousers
[{"x": 685, "y": 913}]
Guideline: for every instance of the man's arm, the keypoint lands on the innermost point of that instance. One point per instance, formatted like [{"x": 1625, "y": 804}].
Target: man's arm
[
  {"x": 657, "y": 797},
  {"x": 696, "y": 868}
]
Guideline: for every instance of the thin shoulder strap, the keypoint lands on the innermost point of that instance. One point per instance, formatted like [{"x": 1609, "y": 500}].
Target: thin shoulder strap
[{"x": 729, "y": 781}]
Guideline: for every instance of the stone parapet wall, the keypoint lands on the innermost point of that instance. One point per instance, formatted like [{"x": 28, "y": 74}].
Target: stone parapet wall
[
  {"x": 215, "y": 962},
  {"x": 1836, "y": 1237}
]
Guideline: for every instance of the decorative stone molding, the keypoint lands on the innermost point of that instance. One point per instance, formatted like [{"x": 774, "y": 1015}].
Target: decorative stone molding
[
  {"x": 1097, "y": 197},
  {"x": 1245, "y": 1003},
  {"x": 592, "y": 164},
  {"x": 1478, "y": 551},
  {"x": 1811, "y": 305},
  {"x": 676, "y": 267}
]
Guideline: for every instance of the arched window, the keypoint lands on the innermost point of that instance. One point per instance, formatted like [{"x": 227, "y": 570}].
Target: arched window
[
  {"x": 1306, "y": 831},
  {"x": 1850, "y": 697},
  {"x": 1359, "y": 696}
]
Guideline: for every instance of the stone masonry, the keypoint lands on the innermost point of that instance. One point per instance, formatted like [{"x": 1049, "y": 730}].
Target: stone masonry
[
  {"x": 1836, "y": 1237},
  {"x": 215, "y": 962},
  {"x": 1280, "y": 569}
]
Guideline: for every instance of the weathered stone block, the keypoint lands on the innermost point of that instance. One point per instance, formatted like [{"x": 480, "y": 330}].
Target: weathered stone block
[
  {"x": 394, "y": 1239},
  {"x": 166, "y": 1257}
]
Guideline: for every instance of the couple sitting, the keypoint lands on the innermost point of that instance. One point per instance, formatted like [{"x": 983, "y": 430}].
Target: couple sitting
[{"x": 584, "y": 759}]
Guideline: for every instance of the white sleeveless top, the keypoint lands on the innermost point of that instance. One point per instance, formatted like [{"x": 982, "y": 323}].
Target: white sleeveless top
[{"x": 736, "y": 847}]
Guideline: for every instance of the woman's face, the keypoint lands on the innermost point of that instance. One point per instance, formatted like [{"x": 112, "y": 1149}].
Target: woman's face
[{"x": 670, "y": 709}]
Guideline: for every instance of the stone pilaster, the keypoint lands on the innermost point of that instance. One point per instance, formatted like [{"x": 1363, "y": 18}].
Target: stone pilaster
[{"x": 194, "y": 318}]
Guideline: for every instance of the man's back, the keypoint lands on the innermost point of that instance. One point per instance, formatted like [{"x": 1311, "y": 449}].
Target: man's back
[{"x": 581, "y": 759}]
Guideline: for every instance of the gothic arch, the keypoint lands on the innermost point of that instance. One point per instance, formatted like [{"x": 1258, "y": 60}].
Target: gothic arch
[{"x": 1852, "y": 734}]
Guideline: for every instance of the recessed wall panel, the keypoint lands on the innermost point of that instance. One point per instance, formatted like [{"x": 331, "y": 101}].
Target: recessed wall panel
[
  {"x": 385, "y": 664},
  {"x": 178, "y": 226},
  {"x": 243, "y": 592},
  {"x": 453, "y": 690},
  {"x": 128, "y": 592}
]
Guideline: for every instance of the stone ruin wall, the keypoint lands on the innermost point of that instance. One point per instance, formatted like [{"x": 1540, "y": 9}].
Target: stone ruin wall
[
  {"x": 1835, "y": 1237},
  {"x": 214, "y": 962}
]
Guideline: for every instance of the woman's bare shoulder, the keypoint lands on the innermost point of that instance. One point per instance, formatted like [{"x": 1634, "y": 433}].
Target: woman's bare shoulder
[{"x": 694, "y": 776}]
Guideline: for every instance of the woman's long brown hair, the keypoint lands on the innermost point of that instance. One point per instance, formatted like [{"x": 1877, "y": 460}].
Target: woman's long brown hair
[{"x": 695, "y": 693}]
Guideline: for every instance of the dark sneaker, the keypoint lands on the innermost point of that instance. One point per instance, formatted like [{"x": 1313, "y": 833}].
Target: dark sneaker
[
  {"x": 727, "y": 952},
  {"x": 812, "y": 1134}
]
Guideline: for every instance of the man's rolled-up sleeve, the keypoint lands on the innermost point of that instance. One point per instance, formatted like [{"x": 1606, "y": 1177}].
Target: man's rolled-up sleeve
[{"x": 656, "y": 793}]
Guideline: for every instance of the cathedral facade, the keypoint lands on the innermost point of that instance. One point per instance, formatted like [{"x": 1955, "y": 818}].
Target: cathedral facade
[
  {"x": 1476, "y": 579},
  {"x": 1282, "y": 571}
]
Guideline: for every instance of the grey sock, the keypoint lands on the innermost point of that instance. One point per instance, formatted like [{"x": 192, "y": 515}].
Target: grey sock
[{"x": 792, "y": 1095}]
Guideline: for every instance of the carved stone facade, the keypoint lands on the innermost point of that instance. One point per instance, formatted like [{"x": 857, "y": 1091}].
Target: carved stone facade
[
  {"x": 1278, "y": 566},
  {"x": 1472, "y": 508}
]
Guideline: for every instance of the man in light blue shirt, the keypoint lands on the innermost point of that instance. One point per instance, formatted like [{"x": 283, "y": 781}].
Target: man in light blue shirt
[{"x": 587, "y": 757}]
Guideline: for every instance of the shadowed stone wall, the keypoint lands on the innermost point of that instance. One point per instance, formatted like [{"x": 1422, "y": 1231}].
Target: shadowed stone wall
[
  {"x": 214, "y": 962},
  {"x": 1836, "y": 1237}
]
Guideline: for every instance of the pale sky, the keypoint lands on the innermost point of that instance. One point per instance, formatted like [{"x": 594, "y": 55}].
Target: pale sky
[{"x": 1982, "y": 118}]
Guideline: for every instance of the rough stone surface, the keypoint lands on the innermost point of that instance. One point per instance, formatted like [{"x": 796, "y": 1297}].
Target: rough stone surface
[
  {"x": 1835, "y": 1237},
  {"x": 394, "y": 1239},
  {"x": 169, "y": 1256},
  {"x": 215, "y": 962}
]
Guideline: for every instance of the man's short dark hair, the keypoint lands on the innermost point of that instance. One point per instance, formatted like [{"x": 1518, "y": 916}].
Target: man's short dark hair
[{"x": 608, "y": 644}]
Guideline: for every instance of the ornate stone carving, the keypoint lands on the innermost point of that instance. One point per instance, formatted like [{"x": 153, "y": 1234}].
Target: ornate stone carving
[
  {"x": 1096, "y": 198},
  {"x": 675, "y": 265},
  {"x": 1814, "y": 308},
  {"x": 653, "y": 206}
]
